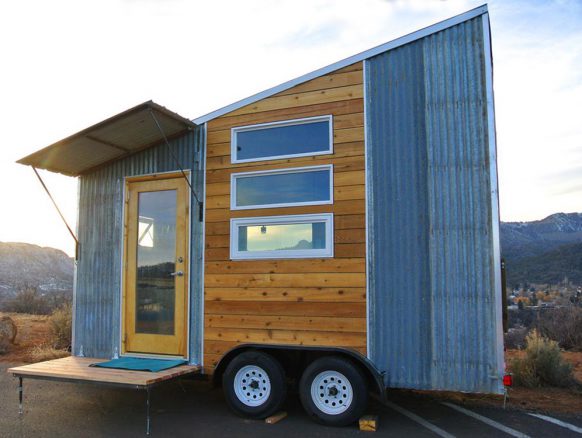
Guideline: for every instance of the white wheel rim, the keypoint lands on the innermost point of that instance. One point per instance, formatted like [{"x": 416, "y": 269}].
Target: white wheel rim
[
  {"x": 252, "y": 385},
  {"x": 331, "y": 392}
]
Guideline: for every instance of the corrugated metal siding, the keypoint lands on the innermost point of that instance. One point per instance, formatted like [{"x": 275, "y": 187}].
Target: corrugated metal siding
[
  {"x": 433, "y": 316},
  {"x": 98, "y": 287}
]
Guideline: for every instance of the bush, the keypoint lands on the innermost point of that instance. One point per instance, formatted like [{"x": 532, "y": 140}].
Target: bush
[
  {"x": 61, "y": 324},
  {"x": 28, "y": 300},
  {"x": 542, "y": 365},
  {"x": 563, "y": 325}
]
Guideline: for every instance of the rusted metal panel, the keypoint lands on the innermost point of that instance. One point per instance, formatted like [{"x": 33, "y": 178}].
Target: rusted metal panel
[
  {"x": 99, "y": 268},
  {"x": 433, "y": 250}
]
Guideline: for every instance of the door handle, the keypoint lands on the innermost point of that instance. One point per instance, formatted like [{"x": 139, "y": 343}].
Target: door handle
[{"x": 177, "y": 274}]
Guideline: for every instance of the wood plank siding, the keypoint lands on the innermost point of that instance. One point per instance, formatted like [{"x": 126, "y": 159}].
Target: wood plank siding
[{"x": 316, "y": 302}]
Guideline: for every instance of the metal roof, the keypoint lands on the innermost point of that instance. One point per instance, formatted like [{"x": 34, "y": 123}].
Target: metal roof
[
  {"x": 116, "y": 137},
  {"x": 437, "y": 27}
]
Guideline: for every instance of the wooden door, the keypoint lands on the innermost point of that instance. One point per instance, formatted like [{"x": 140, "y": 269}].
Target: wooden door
[{"x": 155, "y": 298}]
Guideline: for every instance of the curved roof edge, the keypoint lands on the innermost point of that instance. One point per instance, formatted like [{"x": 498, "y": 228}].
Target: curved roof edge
[{"x": 406, "y": 39}]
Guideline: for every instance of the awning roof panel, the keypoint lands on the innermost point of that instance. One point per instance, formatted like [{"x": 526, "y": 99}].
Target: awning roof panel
[{"x": 117, "y": 137}]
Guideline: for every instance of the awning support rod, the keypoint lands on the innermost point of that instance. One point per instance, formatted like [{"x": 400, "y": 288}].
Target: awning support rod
[
  {"x": 59, "y": 211},
  {"x": 200, "y": 204}
]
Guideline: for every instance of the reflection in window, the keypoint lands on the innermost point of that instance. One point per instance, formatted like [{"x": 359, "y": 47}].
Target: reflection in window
[
  {"x": 282, "y": 237},
  {"x": 156, "y": 254},
  {"x": 306, "y": 186},
  {"x": 312, "y": 136},
  {"x": 290, "y": 237},
  {"x": 145, "y": 232}
]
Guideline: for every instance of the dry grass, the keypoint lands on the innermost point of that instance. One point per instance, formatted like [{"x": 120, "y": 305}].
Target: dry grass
[
  {"x": 33, "y": 330},
  {"x": 40, "y": 337},
  {"x": 44, "y": 352}
]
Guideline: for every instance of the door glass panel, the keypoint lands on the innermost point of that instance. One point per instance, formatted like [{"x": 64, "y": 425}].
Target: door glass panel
[{"x": 156, "y": 253}]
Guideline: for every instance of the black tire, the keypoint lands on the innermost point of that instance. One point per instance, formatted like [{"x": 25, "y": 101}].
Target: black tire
[
  {"x": 245, "y": 406},
  {"x": 359, "y": 391}
]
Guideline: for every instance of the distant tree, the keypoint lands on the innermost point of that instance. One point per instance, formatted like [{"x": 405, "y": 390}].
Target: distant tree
[{"x": 29, "y": 300}]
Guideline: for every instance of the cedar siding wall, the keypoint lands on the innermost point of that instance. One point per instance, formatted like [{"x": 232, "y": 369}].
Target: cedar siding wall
[{"x": 298, "y": 301}]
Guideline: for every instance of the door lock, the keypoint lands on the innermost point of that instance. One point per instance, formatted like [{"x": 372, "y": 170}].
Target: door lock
[{"x": 180, "y": 259}]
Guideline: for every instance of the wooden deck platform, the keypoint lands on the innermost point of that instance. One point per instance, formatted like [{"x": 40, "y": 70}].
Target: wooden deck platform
[{"x": 77, "y": 369}]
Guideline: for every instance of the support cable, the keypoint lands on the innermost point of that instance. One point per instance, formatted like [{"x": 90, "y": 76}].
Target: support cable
[
  {"x": 58, "y": 211},
  {"x": 200, "y": 204}
]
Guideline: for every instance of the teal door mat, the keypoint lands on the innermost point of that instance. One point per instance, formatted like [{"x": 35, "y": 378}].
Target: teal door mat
[{"x": 140, "y": 364}]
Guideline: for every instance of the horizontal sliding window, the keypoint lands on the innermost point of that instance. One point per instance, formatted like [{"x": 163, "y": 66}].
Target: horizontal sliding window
[
  {"x": 296, "y": 236},
  {"x": 282, "y": 188},
  {"x": 291, "y": 138}
]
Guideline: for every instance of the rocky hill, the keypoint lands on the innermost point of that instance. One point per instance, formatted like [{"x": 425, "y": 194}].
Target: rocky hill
[
  {"x": 23, "y": 265},
  {"x": 526, "y": 239}
]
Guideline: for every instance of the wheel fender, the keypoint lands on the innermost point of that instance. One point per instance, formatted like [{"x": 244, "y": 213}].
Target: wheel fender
[{"x": 374, "y": 376}]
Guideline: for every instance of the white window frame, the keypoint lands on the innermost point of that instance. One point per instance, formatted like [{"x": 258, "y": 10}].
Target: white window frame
[
  {"x": 326, "y": 252},
  {"x": 235, "y": 176},
  {"x": 234, "y": 131}
]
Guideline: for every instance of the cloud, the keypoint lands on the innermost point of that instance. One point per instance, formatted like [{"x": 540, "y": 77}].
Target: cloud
[{"x": 538, "y": 90}]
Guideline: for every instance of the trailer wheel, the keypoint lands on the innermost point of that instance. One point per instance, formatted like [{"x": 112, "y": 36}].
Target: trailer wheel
[
  {"x": 254, "y": 385},
  {"x": 333, "y": 391}
]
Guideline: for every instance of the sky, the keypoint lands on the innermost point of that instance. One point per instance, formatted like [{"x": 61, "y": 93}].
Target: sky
[{"x": 66, "y": 65}]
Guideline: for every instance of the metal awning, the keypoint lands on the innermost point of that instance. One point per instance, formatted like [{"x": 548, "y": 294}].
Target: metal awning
[{"x": 114, "y": 138}]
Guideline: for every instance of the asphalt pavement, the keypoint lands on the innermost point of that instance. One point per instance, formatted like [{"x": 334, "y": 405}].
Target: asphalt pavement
[{"x": 189, "y": 408}]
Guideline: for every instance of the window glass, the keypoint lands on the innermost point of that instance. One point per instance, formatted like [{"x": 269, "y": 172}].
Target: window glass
[
  {"x": 156, "y": 254},
  {"x": 282, "y": 237},
  {"x": 290, "y": 237},
  {"x": 310, "y": 186},
  {"x": 277, "y": 140}
]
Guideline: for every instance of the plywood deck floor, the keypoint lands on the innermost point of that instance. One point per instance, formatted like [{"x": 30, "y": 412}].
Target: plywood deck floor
[{"x": 77, "y": 369}]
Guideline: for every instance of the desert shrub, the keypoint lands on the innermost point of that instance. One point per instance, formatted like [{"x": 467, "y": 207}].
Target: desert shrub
[
  {"x": 61, "y": 324},
  {"x": 542, "y": 365},
  {"x": 46, "y": 352},
  {"x": 563, "y": 325},
  {"x": 29, "y": 300}
]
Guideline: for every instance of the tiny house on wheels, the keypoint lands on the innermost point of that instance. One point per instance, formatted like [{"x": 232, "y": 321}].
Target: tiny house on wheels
[{"x": 340, "y": 230}]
